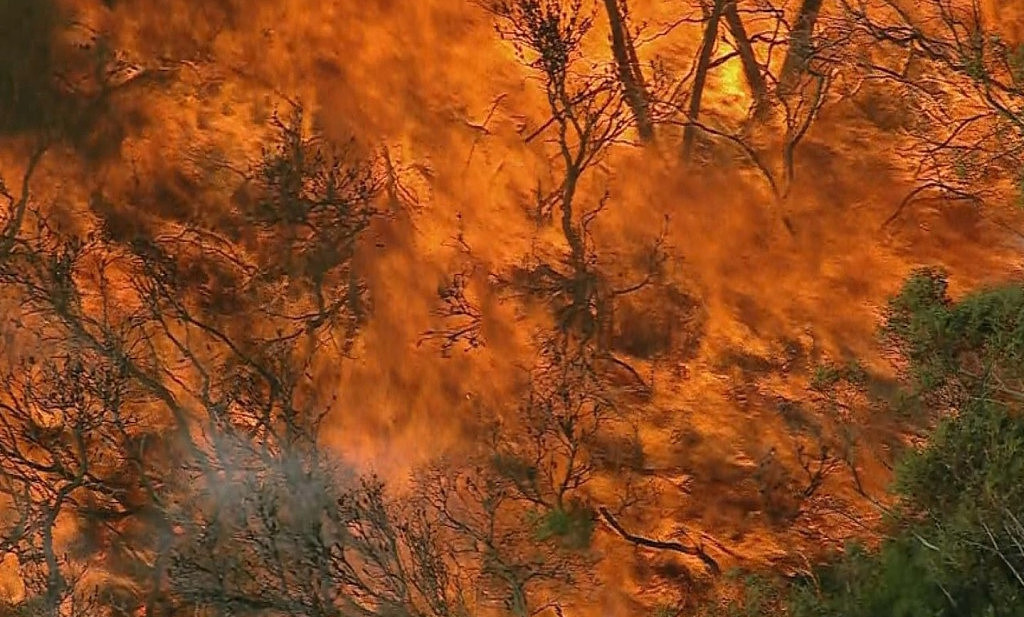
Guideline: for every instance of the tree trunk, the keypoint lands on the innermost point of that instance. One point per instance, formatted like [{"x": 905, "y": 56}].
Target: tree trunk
[
  {"x": 800, "y": 43},
  {"x": 629, "y": 70},
  {"x": 54, "y": 578},
  {"x": 701, "y": 76},
  {"x": 751, "y": 69}
]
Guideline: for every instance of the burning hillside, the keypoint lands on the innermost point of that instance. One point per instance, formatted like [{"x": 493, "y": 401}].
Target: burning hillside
[{"x": 465, "y": 307}]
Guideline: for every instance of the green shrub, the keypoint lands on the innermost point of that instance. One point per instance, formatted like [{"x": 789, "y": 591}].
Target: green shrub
[
  {"x": 953, "y": 548},
  {"x": 573, "y": 525}
]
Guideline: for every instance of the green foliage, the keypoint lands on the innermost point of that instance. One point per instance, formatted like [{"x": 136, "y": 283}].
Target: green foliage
[
  {"x": 955, "y": 548},
  {"x": 761, "y": 596},
  {"x": 971, "y": 344},
  {"x": 941, "y": 561},
  {"x": 1015, "y": 59},
  {"x": 974, "y": 464},
  {"x": 827, "y": 375},
  {"x": 665, "y": 610},
  {"x": 973, "y": 57},
  {"x": 895, "y": 582},
  {"x": 573, "y": 525},
  {"x": 914, "y": 323}
]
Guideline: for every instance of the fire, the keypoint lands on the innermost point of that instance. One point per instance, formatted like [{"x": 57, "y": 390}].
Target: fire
[{"x": 773, "y": 245}]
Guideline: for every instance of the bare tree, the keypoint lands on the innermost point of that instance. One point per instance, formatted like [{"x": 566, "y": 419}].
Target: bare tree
[
  {"x": 302, "y": 538},
  {"x": 707, "y": 49},
  {"x": 461, "y": 318},
  {"x": 800, "y": 112},
  {"x": 545, "y": 448},
  {"x": 588, "y": 115},
  {"x": 520, "y": 511},
  {"x": 17, "y": 204},
  {"x": 628, "y": 67},
  {"x": 752, "y": 69},
  {"x": 696, "y": 548},
  {"x": 963, "y": 85},
  {"x": 67, "y": 462},
  {"x": 587, "y": 108},
  {"x": 786, "y": 111},
  {"x": 509, "y": 562},
  {"x": 800, "y": 42},
  {"x": 244, "y": 513}
]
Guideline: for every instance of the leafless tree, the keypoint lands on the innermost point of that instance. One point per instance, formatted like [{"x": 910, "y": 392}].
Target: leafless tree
[
  {"x": 512, "y": 563},
  {"x": 460, "y": 315},
  {"x": 695, "y": 548},
  {"x": 520, "y": 513},
  {"x": 586, "y": 103},
  {"x": 588, "y": 115},
  {"x": 707, "y": 49},
  {"x": 17, "y": 205},
  {"x": 628, "y": 66},
  {"x": 786, "y": 104},
  {"x": 800, "y": 42},
  {"x": 753, "y": 70},
  {"x": 71, "y": 460},
  {"x": 545, "y": 448},
  {"x": 962, "y": 83}
]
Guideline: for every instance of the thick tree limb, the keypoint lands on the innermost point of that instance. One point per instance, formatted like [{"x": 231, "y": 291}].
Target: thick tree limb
[
  {"x": 629, "y": 70},
  {"x": 800, "y": 42},
  {"x": 701, "y": 76},
  {"x": 697, "y": 551},
  {"x": 751, "y": 69},
  {"x": 16, "y": 216}
]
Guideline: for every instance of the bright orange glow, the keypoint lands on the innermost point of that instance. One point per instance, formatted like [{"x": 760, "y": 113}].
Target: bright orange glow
[{"x": 432, "y": 84}]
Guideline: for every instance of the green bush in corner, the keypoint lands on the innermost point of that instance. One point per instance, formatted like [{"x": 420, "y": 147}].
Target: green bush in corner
[{"x": 957, "y": 543}]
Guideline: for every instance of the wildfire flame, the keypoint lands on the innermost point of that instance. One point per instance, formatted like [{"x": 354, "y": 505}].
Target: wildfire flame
[{"x": 761, "y": 283}]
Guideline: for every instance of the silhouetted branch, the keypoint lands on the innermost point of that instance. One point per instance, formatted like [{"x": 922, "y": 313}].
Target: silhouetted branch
[{"x": 696, "y": 550}]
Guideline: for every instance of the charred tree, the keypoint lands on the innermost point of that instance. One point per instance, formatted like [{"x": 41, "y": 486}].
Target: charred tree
[
  {"x": 589, "y": 112},
  {"x": 800, "y": 39},
  {"x": 694, "y": 549},
  {"x": 751, "y": 68},
  {"x": 700, "y": 77},
  {"x": 628, "y": 67}
]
